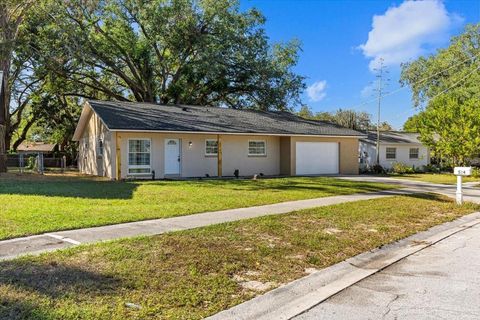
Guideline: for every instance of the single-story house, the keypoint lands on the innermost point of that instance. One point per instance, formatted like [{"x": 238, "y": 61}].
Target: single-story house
[
  {"x": 131, "y": 140},
  {"x": 395, "y": 147}
]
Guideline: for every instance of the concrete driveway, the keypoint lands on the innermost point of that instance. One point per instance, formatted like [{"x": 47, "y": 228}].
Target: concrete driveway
[
  {"x": 439, "y": 282},
  {"x": 471, "y": 191}
]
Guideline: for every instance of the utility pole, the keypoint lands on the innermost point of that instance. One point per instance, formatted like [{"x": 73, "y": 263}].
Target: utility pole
[{"x": 381, "y": 83}]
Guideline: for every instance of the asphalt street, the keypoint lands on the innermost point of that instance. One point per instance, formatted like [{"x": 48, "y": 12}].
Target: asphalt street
[{"x": 439, "y": 282}]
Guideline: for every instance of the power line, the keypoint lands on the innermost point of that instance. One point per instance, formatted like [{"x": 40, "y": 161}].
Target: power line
[
  {"x": 445, "y": 90},
  {"x": 416, "y": 82},
  {"x": 455, "y": 84}
]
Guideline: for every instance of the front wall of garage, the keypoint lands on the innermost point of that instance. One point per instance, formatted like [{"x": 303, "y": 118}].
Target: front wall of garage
[{"x": 348, "y": 149}]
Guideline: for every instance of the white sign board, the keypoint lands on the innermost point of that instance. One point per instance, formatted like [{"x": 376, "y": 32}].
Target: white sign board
[{"x": 462, "y": 171}]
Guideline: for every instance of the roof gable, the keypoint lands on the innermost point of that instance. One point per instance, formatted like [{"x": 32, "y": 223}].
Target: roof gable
[{"x": 393, "y": 137}]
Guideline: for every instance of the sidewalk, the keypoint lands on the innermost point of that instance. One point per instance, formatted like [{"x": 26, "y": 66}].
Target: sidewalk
[{"x": 13, "y": 248}]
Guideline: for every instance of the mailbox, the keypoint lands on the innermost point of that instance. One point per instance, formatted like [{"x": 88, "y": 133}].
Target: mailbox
[{"x": 462, "y": 171}]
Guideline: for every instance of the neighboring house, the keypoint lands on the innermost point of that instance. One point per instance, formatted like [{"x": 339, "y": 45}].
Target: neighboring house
[
  {"x": 36, "y": 147},
  {"x": 122, "y": 139},
  {"x": 395, "y": 146}
]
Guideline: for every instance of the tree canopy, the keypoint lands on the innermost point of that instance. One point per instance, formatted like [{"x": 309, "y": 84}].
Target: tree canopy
[
  {"x": 356, "y": 120},
  {"x": 446, "y": 87},
  {"x": 204, "y": 52}
]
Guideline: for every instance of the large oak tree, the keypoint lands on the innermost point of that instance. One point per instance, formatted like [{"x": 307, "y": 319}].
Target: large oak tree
[{"x": 204, "y": 52}]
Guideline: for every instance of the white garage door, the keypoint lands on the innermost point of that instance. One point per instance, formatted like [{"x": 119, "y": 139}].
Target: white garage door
[{"x": 317, "y": 158}]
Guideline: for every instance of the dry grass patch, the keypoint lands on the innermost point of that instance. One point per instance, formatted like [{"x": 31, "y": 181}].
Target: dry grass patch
[{"x": 196, "y": 273}]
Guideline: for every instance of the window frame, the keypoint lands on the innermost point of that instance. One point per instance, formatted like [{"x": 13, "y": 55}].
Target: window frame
[
  {"x": 211, "y": 154},
  {"x": 395, "y": 153},
  {"x": 410, "y": 153},
  {"x": 129, "y": 166},
  {"x": 264, "y": 154}
]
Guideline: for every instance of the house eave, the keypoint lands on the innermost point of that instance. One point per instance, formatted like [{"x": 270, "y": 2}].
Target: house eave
[{"x": 239, "y": 133}]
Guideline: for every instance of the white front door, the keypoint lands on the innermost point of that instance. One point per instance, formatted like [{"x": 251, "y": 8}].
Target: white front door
[
  {"x": 172, "y": 156},
  {"x": 317, "y": 158}
]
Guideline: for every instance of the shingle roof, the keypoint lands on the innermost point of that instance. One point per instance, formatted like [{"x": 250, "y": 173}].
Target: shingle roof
[
  {"x": 393, "y": 137},
  {"x": 145, "y": 117}
]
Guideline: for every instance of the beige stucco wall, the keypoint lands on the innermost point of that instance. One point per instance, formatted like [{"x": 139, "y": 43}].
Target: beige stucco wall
[
  {"x": 89, "y": 159},
  {"x": 194, "y": 162},
  {"x": 280, "y": 158},
  {"x": 348, "y": 148}
]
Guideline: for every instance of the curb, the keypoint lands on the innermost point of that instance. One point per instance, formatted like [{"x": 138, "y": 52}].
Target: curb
[{"x": 299, "y": 296}]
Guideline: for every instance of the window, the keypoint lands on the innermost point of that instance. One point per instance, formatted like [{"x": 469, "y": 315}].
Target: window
[
  {"x": 100, "y": 147},
  {"x": 391, "y": 153},
  {"x": 257, "y": 148},
  {"x": 139, "y": 156},
  {"x": 413, "y": 153},
  {"x": 211, "y": 147}
]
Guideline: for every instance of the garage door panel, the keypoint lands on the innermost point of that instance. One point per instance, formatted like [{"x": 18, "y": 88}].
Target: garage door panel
[{"x": 317, "y": 158}]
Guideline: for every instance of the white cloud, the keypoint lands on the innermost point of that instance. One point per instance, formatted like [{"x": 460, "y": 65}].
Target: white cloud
[
  {"x": 316, "y": 91},
  {"x": 404, "y": 32},
  {"x": 368, "y": 90}
]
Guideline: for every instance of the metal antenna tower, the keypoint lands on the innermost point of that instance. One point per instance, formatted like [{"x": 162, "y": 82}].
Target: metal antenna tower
[{"x": 381, "y": 72}]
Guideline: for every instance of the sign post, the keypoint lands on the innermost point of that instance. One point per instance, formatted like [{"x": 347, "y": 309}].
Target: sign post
[{"x": 460, "y": 172}]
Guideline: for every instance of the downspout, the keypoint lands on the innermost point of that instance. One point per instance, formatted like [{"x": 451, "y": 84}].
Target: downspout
[
  {"x": 219, "y": 156},
  {"x": 118, "y": 162}
]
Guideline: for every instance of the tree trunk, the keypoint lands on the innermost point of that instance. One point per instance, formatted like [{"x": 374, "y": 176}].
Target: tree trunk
[
  {"x": 3, "y": 149},
  {"x": 4, "y": 102},
  {"x": 23, "y": 135}
]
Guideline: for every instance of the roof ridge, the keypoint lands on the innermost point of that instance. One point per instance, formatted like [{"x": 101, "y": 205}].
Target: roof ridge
[{"x": 122, "y": 115}]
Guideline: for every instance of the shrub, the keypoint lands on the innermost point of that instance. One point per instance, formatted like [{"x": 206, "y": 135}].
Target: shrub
[
  {"x": 431, "y": 168},
  {"x": 402, "y": 168},
  {"x": 475, "y": 172},
  {"x": 378, "y": 169}
]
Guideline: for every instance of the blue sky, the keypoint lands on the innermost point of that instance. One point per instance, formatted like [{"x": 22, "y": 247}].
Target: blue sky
[{"x": 342, "y": 41}]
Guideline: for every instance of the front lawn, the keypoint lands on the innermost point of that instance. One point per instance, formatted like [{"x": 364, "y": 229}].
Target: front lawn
[
  {"x": 195, "y": 273},
  {"x": 33, "y": 204},
  {"x": 441, "y": 178}
]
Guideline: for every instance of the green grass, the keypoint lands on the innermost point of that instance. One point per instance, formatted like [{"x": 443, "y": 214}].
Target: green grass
[
  {"x": 33, "y": 204},
  {"x": 441, "y": 178},
  {"x": 196, "y": 273}
]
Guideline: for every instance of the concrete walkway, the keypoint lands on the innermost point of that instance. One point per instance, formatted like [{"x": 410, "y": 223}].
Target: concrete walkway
[{"x": 13, "y": 248}]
